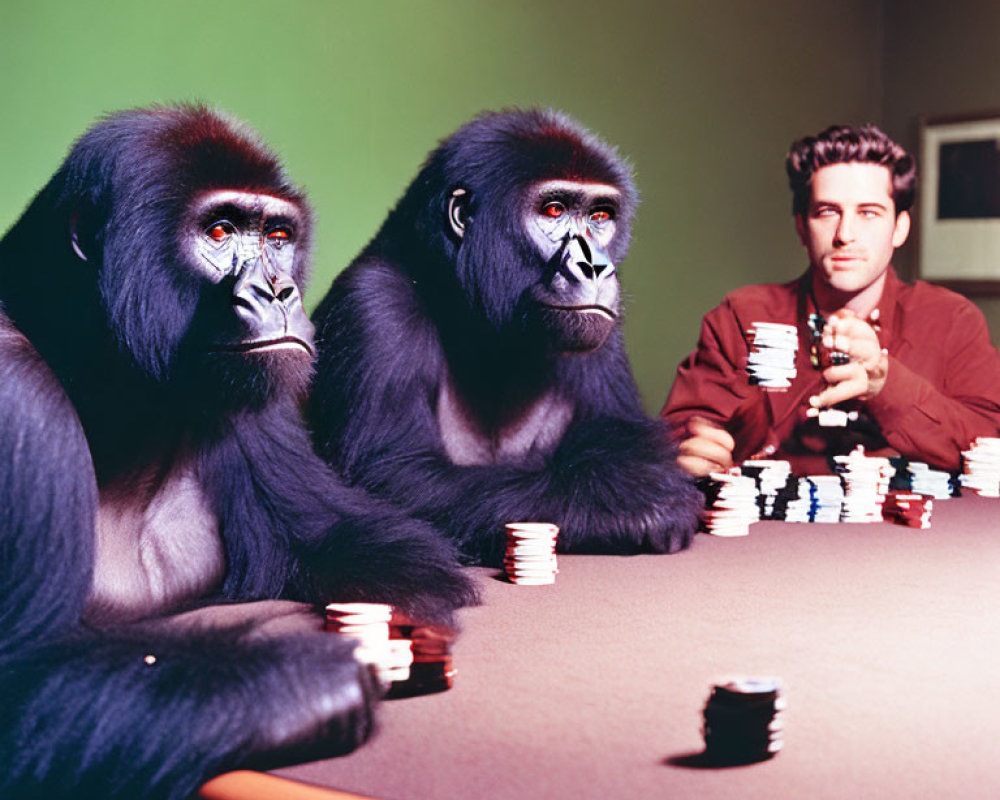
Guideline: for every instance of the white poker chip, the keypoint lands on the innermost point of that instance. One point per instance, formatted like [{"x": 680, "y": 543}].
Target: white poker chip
[{"x": 529, "y": 557}]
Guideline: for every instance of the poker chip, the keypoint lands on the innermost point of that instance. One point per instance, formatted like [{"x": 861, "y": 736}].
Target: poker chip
[
  {"x": 432, "y": 669},
  {"x": 743, "y": 721},
  {"x": 981, "y": 467},
  {"x": 935, "y": 483},
  {"x": 771, "y": 360},
  {"x": 731, "y": 504},
  {"x": 530, "y": 554},
  {"x": 774, "y": 491},
  {"x": 866, "y": 484},
  {"x": 368, "y": 623},
  {"x": 833, "y": 417},
  {"x": 407, "y": 658},
  {"x": 910, "y": 509},
  {"x": 801, "y": 507},
  {"x": 829, "y": 497}
]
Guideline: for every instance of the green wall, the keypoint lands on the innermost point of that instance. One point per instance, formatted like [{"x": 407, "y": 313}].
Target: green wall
[{"x": 703, "y": 96}]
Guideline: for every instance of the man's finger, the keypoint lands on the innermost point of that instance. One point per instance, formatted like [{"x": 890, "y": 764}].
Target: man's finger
[
  {"x": 838, "y": 393},
  {"x": 701, "y": 428}
]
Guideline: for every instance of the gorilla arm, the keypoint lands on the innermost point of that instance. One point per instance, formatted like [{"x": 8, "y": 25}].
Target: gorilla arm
[
  {"x": 79, "y": 701},
  {"x": 318, "y": 540}
]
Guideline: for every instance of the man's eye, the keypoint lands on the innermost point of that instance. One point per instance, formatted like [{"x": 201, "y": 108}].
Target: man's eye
[
  {"x": 553, "y": 210},
  {"x": 220, "y": 231}
]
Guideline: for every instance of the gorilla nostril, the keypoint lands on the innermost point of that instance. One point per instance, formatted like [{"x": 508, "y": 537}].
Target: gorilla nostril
[
  {"x": 285, "y": 294},
  {"x": 599, "y": 268},
  {"x": 586, "y": 269}
]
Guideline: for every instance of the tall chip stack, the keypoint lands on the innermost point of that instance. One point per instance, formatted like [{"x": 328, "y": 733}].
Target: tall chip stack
[
  {"x": 771, "y": 360},
  {"x": 981, "y": 467},
  {"x": 866, "y": 484},
  {"x": 775, "y": 486},
  {"x": 731, "y": 503}
]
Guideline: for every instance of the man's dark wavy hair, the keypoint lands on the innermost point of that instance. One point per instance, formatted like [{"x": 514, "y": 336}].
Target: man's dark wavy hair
[{"x": 845, "y": 144}]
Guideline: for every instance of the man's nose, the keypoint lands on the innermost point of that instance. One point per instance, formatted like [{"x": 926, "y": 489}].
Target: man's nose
[{"x": 845, "y": 229}]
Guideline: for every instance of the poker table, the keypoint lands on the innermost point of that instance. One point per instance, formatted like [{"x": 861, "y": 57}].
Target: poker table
[{"x": 886, "y": 640}]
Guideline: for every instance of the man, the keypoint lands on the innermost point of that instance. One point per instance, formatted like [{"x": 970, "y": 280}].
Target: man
[{"x": 913, "y": 366}]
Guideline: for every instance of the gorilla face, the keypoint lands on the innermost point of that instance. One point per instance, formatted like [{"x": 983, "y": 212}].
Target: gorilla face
[
  {"x": 571, "y": 225},
  {"x": 562, "y": 282},
  {"x": 251, "y": 324}
]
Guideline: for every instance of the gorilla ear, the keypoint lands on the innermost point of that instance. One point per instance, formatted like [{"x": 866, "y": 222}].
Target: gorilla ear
[
  {"x": 82, "y": 237},
  {"x": 458, "y": 210}
]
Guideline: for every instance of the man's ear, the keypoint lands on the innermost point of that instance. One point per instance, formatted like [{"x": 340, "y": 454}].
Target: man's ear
[{"x": 902, "y": 229}]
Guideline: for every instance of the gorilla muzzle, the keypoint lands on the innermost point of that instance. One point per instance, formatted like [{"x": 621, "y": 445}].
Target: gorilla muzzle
[
  {"x": 588, "y": 273},
  {"x": 268, "y": 304}
]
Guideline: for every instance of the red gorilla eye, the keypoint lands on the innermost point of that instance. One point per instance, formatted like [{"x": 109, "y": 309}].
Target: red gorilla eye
[
  {"x": 278, "y": 235},
  {"x": 600, "y": 216},
  {"x": 554, "y": 210},
  {"x": 219, "y": 232}
]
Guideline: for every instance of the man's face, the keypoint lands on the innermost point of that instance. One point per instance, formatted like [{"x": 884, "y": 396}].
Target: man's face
[{"x": 850, "y": 228}]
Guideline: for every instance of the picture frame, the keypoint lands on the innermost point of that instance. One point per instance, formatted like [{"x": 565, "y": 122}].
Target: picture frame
[{"x": 959, "y": 203}]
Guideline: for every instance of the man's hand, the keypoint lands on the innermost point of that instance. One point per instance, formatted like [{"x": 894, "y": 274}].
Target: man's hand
[
  {"x": 864, "y": 376},
  {"x": 708, "y": 448}
]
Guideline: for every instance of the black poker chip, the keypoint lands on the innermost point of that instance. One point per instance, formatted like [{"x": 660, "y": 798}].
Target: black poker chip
[{"x": 742, "y": 721}]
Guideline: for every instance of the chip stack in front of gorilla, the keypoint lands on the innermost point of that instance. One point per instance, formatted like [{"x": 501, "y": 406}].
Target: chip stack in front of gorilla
[
  {"x": 771, "y": 362},
  {"x": 530, "y": 556},
  {"x": 369, "y": 624},
  {"x": 433, "y": 669},
  {"x": 743, "y": 720}
]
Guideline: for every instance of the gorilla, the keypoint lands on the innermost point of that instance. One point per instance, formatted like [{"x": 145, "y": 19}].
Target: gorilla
[
  {"x": 471, "y": 362},
  {"x": 156, "y": 476}
]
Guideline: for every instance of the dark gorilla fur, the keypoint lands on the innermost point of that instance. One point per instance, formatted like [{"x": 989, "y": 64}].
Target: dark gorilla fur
[
  {"x": 420, "y": 306},
  {"x": 104, "y": 379}
]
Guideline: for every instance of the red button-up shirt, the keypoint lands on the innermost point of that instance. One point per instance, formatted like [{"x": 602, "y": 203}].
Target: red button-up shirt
[{"x": 942, "y": 389}]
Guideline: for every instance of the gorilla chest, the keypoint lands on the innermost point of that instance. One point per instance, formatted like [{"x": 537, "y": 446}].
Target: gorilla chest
[
  {"x": 536, "y": 426},
  {"x": 157, "y": 545}
]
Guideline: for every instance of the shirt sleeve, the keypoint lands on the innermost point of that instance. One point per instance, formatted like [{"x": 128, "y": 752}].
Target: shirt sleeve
[
  {"x": 712, "y": 381},
  {"x": 934, "y": 420}
]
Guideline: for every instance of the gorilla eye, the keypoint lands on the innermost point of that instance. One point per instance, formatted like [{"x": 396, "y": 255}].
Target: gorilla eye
[
  {"x": 554, "y": 209},
  {"x": 600, "y": 215},
  {"x": 220, "y": 231},
  {"x": 278, "y": 236}
]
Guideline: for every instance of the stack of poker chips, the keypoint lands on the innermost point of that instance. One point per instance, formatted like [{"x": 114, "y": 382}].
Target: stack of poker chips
[
  {"x": 771, "y": 361},
  {"x": 530, "y": 556},
  {"x": 828, "y": 497},
  {"x": 368, "y": 623},
  {"x": 432, "y": 669},
  {"x": 743, "y": 721},
  {"x": 866, "y": 484},
  {"x": 775, "y": 487},
  {"x": 802, "y": 507},
  {"x": 933, "y": 482},
  {"x": 731, "y": 503},
  {"x": 913, "y": 510},
  {"x": 982, "y": 467}
]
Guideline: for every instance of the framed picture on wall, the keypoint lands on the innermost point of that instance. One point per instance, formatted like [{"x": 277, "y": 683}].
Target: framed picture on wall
[{"x": 959, "y": 202}]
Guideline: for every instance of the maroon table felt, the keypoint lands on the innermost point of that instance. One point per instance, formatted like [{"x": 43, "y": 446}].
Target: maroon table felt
[{"x": 886, "y": 638}]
